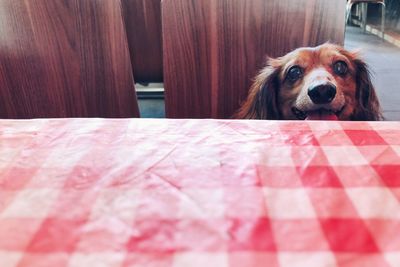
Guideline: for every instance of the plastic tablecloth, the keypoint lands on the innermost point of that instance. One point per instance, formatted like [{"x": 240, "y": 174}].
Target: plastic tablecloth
[{"x": 179, "y": 193}]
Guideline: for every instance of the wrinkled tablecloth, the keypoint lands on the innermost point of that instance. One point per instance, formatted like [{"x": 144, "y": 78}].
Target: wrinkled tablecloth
[{"x": 181, "y": 193}]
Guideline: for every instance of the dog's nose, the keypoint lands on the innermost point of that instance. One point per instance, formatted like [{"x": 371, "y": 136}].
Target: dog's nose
[{"x": 322, "y": 93}]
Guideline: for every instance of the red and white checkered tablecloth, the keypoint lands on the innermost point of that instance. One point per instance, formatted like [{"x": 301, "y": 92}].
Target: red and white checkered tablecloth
[{"x": 182, "y": 193}]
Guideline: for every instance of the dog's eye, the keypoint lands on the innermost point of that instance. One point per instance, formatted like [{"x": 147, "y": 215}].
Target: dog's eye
[
  {"x": 294, "y": 73},
  {"x": 340, "y": 67}
]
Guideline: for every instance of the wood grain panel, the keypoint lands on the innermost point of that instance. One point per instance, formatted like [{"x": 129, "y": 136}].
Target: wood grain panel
[
  {"x": 64, "y": 58},
  {"x": 143, "y": 27},
  {"x": 213, "y": 48}
]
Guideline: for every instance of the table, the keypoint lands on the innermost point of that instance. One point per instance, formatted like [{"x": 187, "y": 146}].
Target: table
[{"x": 138, "y": 192}]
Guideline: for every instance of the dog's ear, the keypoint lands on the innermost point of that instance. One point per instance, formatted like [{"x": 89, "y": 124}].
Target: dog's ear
[
  {"x": 367, "y": 107},
  {"x": 262, "y": 100}
]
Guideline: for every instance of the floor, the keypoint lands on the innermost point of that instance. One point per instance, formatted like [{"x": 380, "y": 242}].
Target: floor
[
  {"x": 382, "y": 57},
  {"x": 151, "y": 102},
  {"x": 384, "y": 61}
]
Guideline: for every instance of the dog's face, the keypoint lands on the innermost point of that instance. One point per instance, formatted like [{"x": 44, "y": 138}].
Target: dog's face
[{"x": 325, "y": 82}]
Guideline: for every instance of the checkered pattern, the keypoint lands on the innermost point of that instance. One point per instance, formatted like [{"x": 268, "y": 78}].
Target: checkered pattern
[{"x": 179, "y": 193}]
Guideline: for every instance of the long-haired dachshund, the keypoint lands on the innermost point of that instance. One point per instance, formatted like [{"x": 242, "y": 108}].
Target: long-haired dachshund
[{"x": 319, "y": 83}]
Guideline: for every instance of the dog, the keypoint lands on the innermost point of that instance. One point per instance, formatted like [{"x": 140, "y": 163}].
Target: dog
[{"x": 325, "y": 82}]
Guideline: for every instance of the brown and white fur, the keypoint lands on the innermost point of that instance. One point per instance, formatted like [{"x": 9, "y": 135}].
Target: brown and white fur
[{"x": 274, "y": 96}]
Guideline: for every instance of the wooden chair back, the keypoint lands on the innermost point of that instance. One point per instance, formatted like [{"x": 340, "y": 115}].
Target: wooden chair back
[
  {"x": 64, "y": 59},
  {"x": 213, "y": 48}
]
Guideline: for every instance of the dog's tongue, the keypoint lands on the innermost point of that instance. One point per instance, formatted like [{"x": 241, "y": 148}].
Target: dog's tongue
[{"x": 321, "y": 114}]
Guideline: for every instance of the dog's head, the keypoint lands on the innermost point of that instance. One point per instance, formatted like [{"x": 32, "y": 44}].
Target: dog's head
[{"x": 324, "y": 82}]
